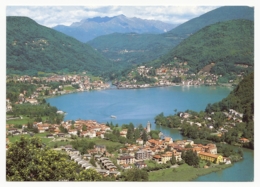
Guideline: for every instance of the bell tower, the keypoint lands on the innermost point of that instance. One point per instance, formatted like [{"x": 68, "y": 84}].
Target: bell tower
[{"x": 148, "y": 127}]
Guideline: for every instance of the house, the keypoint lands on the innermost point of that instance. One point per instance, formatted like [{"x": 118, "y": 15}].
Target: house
[
  {"x": 103, "y": 172},
  {"x": 143, "y": 154},
  {"x": 226, "y": 160},
  {"x": 211, "y": 157},
  {"x": 211, "y": 148},
  {"x": 97, "y": 157},
  {"x": 16, "y": 132},
  {"x": 49, "y": 136},
  {"x": 31, "y": 101},
  {"x": 140, "y": 164},
  {"x": 73, "y": 131},
  {"x": 139, "y": 141},
  {"x": 168, "y": 140},
  {"x": 100, "y": 148},
  {"x": 157, "y": 158},
  {"x": 11, "y": 130},
  {"x": 123, "y": 133},
  {"x": 125, "y": 159},
  {"x": 243, "y": 140},
  {"x": 166, "y": 157},
  {"x": 61, "y": 135},
  {"x": 126, "y": 166},
  {"x": 87, "y": 156},
  {"x": 41, "y": 129},
  {"x": 152, "y": 142}
]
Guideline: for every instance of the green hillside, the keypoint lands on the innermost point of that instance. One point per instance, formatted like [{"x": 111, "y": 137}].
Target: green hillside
[
  {"x": 132, "y": 48},
  {"x": 240, "y": 99},
  {"x": 222, "y": 48},
  {"x": 32, "y": 48},
  {"x": 220, "y": 14},
  {"x": 147, "y": 47}
]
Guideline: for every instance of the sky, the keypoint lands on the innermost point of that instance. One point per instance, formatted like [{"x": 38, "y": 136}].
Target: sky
[{"x": 51, "y": 16}]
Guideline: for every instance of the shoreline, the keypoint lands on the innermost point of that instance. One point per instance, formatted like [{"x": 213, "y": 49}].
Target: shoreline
[{"x": 116, "y": 88}]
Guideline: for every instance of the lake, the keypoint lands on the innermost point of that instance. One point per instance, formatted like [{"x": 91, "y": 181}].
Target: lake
[
  {"x": 141, "y": 105},
  {"x": 136, "y": 105}
]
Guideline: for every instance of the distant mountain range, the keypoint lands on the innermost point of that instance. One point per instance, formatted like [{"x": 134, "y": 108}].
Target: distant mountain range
[
  {"x": 33, "y": 48},
  {"x": 133, "y": 48},
  {"x": 91, "y": 28}
]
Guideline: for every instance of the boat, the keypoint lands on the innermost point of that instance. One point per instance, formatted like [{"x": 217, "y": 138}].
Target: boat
[{"x": 113, "y": 116}]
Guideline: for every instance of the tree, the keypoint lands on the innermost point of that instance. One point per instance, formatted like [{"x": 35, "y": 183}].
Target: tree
[
  {"x": 28, "y": 160},
  {"x": 191, "y": 158},
  {"x": 84, "y": 128},
  {"x": 92, "y": 161},
  {"x": 144, "y": 136},
  {"x": 173, "y": 160},
  {"x": 89, "y": 175},
  {"x": 135, "y": 175}
]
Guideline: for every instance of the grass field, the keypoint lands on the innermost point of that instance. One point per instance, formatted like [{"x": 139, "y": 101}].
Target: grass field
[
  {"x": 182, "y": 173},
  {"x": 99, "y": 141},
  {"x": 69, "y": 88},
  {"x": 22, "y": 121}
]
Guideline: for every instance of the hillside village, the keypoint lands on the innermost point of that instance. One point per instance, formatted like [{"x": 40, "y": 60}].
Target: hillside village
[
  {"x": 160, "y": 150},
  {"x": 64, "y": 84},
  {"x": 169, "y": 75}
]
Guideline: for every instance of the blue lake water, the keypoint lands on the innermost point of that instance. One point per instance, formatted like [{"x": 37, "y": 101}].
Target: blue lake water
[
  {"x": 141, "y": 105},
  {"x": 136, "y": 105}
]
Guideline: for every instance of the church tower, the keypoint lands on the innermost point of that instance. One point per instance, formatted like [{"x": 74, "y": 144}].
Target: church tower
[{"x": 148, "y": 127}]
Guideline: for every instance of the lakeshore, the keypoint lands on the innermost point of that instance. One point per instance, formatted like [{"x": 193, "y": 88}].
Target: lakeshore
[{"x": 102, "y": 93}]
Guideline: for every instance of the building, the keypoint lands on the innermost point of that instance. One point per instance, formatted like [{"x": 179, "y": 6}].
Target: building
[
  {"x": 125, "y": 159},
  {"x": 148, "y": 127},
  {"x": 143, "y": 154},
  {"x": 140, "y": 164},
  {"x": 211, "y": 157}
]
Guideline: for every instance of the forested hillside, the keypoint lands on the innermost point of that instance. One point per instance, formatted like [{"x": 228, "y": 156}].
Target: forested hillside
[
  {"x": 133, "y": 48},
  {"x": 220, "y": 14},
  {"x": 222, "y": 48},
  {"x": 240, "y": 99},
  {"x": 32, "y": 48}
]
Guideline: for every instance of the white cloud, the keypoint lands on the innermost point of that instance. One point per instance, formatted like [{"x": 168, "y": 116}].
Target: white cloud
[{"x": 65, "y": 15}]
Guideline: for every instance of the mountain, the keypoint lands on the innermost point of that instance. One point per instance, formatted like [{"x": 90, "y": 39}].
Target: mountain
[
  {"x": 223, "y": 48},
  {"x": 131, "y": 48},
  {"x": 220, "y": 14},
  {"x": 32, "y": 48},
  {"x": 140, "y": 48},
  {"x": 91, "y": 28}
]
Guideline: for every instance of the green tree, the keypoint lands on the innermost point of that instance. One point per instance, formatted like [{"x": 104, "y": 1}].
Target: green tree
[
  {"x": 173, "y": 160},
  {"x": 92, "y": 161},
  {"x": 135, "y": 175},
  {"x": 28, "y": 160},
  {"x": 88, "y": 175},
  {"x": 144, "y": 136}
]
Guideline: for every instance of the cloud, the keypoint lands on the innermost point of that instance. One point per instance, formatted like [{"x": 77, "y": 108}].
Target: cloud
[{"x": 65, "y": 15}]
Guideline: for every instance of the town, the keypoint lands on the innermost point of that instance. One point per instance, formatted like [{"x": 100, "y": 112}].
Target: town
[
  {"x": 161, "y": 150},
  {"x": 169, "y": 75}
]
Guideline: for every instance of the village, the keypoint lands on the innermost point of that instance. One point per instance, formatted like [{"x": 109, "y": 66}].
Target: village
[
  {"x": 64, "y": 84},
  {"x": 160, "y": 150},
  {"x": 168, "y": 75}
]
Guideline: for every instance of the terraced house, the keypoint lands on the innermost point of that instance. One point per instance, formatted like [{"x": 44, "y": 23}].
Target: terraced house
[{"x": 211, "y": 157}]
